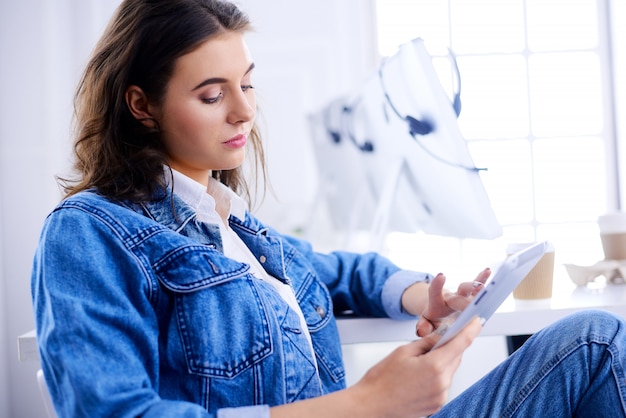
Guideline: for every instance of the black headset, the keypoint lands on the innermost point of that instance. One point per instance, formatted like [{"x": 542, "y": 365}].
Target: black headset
[
  {"x": 347, "y": 120},
  {"x": 425, "y": 126},
  {"x": 416, "y": 126}
]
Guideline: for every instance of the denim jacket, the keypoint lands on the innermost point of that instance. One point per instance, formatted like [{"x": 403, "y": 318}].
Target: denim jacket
[{"x": 139, "y": 313}]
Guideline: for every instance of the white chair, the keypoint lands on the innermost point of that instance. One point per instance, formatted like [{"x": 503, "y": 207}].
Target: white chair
[{"x": 47, "y": 400}]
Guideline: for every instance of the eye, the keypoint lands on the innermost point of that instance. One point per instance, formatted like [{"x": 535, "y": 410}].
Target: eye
[
  {"x": 246, "y": 87},
  {"x": 212, "y": 100}
]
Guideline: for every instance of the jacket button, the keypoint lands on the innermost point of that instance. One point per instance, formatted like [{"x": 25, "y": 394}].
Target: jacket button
[
  {"x": 262, "y": 259},
  {"x": 320, "y": 311}
]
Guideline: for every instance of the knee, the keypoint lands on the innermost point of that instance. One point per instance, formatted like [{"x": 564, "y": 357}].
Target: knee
[{"x": 593, "y": 322}]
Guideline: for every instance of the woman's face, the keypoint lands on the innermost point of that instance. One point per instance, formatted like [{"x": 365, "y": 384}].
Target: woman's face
[{"x": 209, "y": 107}]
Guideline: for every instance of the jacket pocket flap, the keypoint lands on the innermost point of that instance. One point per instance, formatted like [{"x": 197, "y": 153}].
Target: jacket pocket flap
[{"x": 193, "y": 267}]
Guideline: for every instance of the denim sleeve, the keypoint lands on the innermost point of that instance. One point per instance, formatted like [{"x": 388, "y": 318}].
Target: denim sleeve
[
  {"x": 96, "y": 328},
  {"x": 393, "y": 288},
  {"x": 364, "y": 285}
]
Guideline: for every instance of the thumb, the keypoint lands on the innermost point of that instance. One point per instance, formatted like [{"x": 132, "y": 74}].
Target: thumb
[{"x": 462, "y": 341}]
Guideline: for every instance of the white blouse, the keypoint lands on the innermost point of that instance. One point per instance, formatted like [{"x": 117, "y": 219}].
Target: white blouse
[{"x": 218, "y": 199}]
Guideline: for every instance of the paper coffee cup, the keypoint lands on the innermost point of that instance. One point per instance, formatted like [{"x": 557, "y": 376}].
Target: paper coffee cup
[
  {"x": 612, "y": 228},
  {"x": 538, "y": 282}
]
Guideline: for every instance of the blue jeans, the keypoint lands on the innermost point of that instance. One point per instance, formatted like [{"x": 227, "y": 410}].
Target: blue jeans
[{"x": 573, "y": 368}]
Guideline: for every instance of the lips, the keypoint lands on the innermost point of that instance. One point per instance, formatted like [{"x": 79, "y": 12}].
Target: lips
[{"x": 237, "y": 141}]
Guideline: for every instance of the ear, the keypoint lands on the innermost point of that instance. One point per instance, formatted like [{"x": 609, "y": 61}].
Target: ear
[{"x": 138, "y": 105}]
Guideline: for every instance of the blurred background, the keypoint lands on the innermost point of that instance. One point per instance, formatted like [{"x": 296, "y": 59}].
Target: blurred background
[{"x": 544, "y": 88}]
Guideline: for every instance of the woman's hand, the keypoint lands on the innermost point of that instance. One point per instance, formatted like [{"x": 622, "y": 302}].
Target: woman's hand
[
  {"x": 443, "y": 303},
  {"x": 412, "y": 380}
]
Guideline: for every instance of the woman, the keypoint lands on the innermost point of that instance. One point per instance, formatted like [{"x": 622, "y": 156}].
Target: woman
[{"x": 156, "y": 293}]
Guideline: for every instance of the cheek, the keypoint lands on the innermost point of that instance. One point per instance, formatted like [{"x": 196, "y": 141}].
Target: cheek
[{"x": 189, "y": 121}]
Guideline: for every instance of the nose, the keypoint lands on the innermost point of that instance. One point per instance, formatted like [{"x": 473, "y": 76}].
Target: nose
[{"x": 243, "y": 107}]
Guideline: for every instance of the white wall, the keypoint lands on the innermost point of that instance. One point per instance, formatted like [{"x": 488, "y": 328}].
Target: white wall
[
  {"x": 618, "y": 15},
  {"x": 43, "y": 45},
  {"x": 306, "y": 53}
]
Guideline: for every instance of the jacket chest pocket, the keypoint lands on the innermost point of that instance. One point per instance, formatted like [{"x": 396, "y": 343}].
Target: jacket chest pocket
[{"x": 222, "y": 323}]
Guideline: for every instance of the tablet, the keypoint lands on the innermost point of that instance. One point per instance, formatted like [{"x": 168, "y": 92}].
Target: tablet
[{"x": 506, "y": 278}]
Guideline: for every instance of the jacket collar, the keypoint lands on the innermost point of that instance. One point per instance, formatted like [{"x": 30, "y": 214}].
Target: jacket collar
[{"x": 169, "y": 210}]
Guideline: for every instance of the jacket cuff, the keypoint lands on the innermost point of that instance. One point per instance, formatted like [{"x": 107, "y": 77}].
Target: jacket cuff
[
  {"x": 393, "y": 289},
  {"x": 256, "y": 411}
]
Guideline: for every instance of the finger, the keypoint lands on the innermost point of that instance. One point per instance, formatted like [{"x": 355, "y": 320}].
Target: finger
[
  {"x": 424, "y": 327},
  {"x": 457, "y": 302},
  {"x": 467, "y": 289},
  {"x": 435, "y": 290},
  {"x": 483, "y": 275},
  {"x": 427, "y": 324},
  {"x": 419, "y": 347},
  {"x": 471, "y": 288},
  {"x": 459, "y": 343}
]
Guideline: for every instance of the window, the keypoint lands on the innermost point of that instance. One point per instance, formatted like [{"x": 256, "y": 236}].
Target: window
[{"x": 537, "y": 112}]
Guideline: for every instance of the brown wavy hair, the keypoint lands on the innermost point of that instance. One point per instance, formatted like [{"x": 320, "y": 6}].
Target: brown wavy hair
[{"x": 114, "y": 152}]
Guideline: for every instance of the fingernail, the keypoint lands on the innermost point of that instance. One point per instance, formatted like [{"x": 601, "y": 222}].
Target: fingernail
[{"x": 476, "y": 284}]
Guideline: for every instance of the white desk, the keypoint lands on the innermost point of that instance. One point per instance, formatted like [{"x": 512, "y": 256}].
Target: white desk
[
  {"x": 512, "y": 318},
  {"x": 27, "y": 346}
]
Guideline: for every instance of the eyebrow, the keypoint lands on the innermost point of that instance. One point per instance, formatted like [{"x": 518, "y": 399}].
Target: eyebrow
[{"x": 216, "y": 80}]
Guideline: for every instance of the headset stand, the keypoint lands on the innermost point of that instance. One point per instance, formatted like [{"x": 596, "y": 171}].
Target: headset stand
[{"x": 384, "y": 207}]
